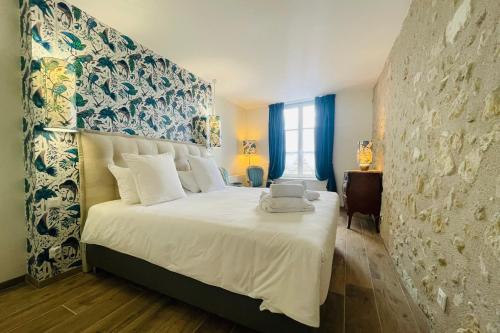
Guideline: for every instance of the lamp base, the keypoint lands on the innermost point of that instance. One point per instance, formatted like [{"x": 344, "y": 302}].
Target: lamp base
[{"x": 364, "y": 167}]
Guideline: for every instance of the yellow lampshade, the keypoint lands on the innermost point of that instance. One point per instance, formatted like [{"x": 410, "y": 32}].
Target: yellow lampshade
[
  {"x": 59, "y": 87},
  {"x": 365, "y": 154},
  {"x": 215, "y": 131},
  {"x": 249, "y": 147},
  {"x": 207, "y": 130}
]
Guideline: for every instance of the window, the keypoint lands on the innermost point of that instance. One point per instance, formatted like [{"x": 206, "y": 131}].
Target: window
[{"x": 299, "y": 135}]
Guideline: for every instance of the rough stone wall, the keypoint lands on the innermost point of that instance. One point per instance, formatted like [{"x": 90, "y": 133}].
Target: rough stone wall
[{"x": 437, "y": 132}]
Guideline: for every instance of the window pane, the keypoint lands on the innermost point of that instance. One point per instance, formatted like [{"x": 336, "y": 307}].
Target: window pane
[
  {"x": 308, "y": 116},
  {"x": 308, "y": 140},
  {"x": 292, "y": 164},
  {"x": 292, "y": 141},
  {"x": 291, "y": 118},
  {"x": 308, "y": 169}
]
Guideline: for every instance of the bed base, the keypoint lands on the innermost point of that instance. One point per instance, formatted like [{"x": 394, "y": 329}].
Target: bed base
[{"x": 237, "y": 308}]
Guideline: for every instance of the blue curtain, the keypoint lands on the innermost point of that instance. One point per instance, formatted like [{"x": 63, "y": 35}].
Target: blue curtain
[
  {"x": 276, "y": 140},
  {"x": 323, "y": 140}
]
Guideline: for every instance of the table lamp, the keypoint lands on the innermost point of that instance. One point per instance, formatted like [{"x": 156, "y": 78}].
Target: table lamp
[
  {"x": 249, "y": 148},
  {"x": 365, "y": 154}
]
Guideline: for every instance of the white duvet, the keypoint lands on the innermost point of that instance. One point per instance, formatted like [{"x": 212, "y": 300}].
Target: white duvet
[{"x": 222, "y": 239}]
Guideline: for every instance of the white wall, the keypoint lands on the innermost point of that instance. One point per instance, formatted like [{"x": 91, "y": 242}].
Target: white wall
[
  {"x": 257, "y": 129},
  {"x": 232, "y": 129},
  {"x": 353, "y": 122},
  {"x": 12, "y": 228}
]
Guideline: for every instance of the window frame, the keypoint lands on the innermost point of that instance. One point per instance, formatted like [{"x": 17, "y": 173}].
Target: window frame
[{"x": 300, "y": 130}]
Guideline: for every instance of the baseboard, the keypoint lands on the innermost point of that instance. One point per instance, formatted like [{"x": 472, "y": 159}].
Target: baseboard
[
  {"x": 12, "y": 282},
  {"x": 418, "y": 313},
  {"x": 41, "y": 284}
]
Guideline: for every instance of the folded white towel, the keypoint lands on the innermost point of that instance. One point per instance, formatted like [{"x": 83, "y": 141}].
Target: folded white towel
[
  {"x": 311, "y": 195},
  {"x": 296, "y": 182},
  {"x": 284, "y": 204},
  {"x": 287, "y": 190}
]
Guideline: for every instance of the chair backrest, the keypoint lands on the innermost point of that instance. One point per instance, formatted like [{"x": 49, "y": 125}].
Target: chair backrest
[
  {"x": 225, "y": 175},
  {"x": 255, "y": 175}
]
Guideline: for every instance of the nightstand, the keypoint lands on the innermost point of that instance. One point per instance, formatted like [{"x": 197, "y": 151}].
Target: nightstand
[
  {"x": 236, "y": 180},
  {"x": 362, "y": 193}
]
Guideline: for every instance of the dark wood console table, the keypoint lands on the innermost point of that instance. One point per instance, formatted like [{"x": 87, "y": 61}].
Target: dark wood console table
[{"x": 362, "y": 193}]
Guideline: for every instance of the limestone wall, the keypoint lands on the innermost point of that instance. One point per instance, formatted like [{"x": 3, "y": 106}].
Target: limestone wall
[{"x": 437, "y": 130}]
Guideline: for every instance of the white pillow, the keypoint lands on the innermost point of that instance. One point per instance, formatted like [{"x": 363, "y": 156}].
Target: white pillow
[
  {"x": 206, "y": 173},
  {"x": 188, "y": 181},
  {"x": 155, "y": 177},
  {"x": 126, "y": 184}
]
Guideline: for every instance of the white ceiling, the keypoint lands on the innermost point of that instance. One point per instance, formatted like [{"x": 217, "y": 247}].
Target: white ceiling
[{"x": 264, "y": 51}]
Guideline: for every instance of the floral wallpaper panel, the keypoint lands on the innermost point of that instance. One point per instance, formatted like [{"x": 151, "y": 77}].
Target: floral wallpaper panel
[{"x": 117, "y": 85}]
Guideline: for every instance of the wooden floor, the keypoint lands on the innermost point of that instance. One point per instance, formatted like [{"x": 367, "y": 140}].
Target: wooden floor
[{"x": 365, "y": 296}]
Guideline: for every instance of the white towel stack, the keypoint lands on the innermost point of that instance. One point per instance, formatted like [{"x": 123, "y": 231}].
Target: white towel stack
[
  {"x": 310, "y": 195},
  {"x": 284, "y": 204},
  {"x": 287, "y": 198},
  {"x": 287, "y": 190}
]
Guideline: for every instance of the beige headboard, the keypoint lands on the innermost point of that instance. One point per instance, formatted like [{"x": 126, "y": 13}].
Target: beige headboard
[{"x": 97, "y": 150}]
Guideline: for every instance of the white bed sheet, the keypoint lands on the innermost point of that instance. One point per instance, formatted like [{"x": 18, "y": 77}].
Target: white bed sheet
[{"x": 223, "y": 239}]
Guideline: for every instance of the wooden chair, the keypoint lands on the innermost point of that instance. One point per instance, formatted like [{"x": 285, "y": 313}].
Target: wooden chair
[
  {"x": 225, "y": 175},
  {"x": 255, "y": 176}
]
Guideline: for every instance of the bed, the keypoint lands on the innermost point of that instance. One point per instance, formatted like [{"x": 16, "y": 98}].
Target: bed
[{"x": 216, "y": 250}]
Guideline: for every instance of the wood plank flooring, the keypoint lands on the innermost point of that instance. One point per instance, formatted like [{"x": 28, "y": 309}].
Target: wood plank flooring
[{"x": 365, "y": 296}]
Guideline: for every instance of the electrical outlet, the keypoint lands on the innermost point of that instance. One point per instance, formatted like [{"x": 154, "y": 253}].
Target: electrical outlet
[
  {"x": 55, "y": 252},
  {"x": 53, "y": 203},
  {"x": 441, "y": 299}
]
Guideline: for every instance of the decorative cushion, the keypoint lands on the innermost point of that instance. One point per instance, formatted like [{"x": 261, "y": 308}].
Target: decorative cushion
[
  {"x": 206, "y": 173},
  {"x": 155, "y": 177},
  {"x": 126, "y": 184},
  {"x": 188, "y": 181}
]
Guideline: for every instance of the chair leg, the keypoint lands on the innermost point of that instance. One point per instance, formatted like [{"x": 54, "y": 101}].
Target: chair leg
[{"x": 349, "y": 221}]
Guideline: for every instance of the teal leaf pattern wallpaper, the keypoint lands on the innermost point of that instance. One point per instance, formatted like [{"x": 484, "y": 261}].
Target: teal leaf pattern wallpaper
[{"x": 121, "y": 86}]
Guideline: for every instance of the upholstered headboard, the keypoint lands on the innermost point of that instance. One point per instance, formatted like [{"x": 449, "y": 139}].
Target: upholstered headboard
[{"x": 98, "y": 149}]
